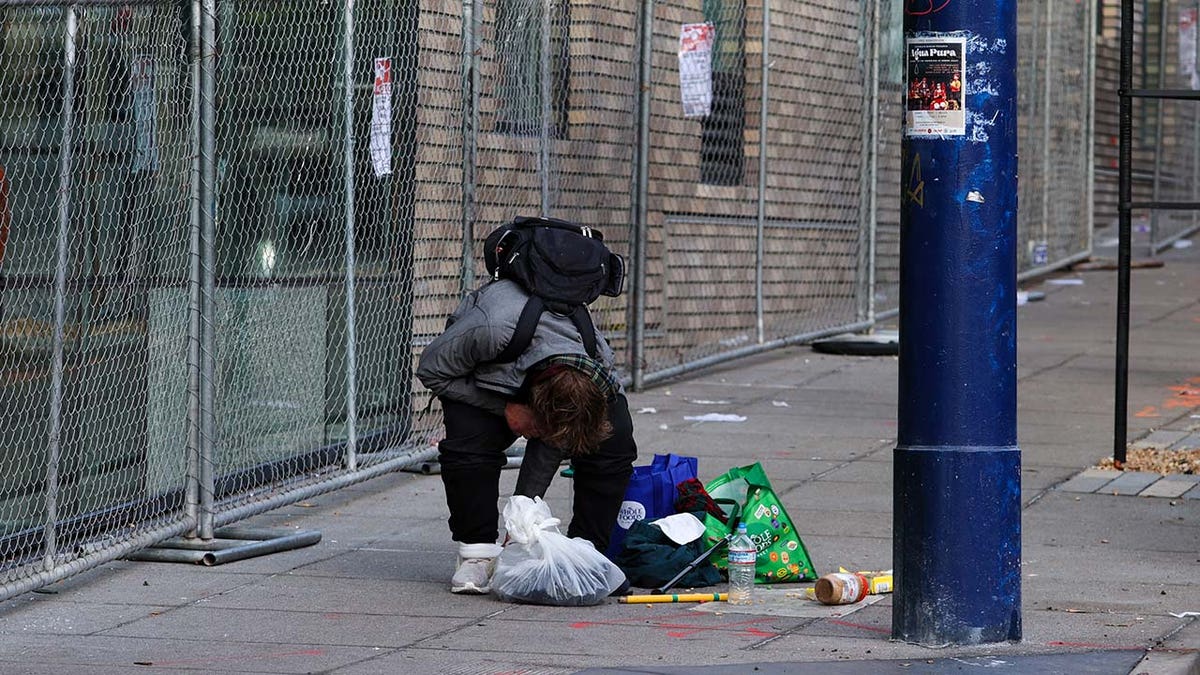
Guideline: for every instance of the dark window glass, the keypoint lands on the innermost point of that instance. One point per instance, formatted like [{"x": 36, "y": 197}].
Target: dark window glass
[
  {"x": 722, "y": 153},
  {"x": 521, "y": 35}
]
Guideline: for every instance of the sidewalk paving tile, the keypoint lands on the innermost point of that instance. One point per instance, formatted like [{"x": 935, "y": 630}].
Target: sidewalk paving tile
[
  {"x": 1192, "y": 442},
  {"x": 1090, "y": 480},
  {"x": 788, "y": 600},
  {"x": 1167, "y": 487},
  {"x": 1131, "y": 483},
  {"x": 1160, "y": 438},
  {"x": 1168, "y": 663},
  {"x": 103, "y": 654},
  {"x": 1194, "y": 493}
]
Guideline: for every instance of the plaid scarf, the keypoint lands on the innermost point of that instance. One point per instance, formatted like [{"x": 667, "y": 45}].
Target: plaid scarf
[
  {"x": 694, "y": 498},
  {"x": 595, "y": 371}
]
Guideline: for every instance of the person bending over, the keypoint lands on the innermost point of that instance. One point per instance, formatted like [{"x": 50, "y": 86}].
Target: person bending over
[{"x": 563, "y": 401}]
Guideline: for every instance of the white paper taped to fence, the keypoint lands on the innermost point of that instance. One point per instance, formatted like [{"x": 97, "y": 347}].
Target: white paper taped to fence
[
  {"x": 381, "y": 118},
  {"x": 695, "y": 68},
  {"x": 1187, "y": 47}
]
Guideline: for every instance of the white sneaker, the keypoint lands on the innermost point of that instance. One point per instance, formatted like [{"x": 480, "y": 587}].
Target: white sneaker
[{"x": 473, "y": 576}]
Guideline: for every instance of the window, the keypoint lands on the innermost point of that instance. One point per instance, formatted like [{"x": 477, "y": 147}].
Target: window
[
  {"x": 891, "y": 43},
  {"x": 722, "y": 152},
  {"x": 520, "y": 41}
]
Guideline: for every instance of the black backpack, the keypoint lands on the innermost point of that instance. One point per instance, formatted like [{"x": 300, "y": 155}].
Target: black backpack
[{"x": 564, "y": 267}]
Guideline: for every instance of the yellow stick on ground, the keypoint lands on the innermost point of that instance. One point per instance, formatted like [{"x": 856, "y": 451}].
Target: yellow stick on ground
[{"x": 678, "y": 597}]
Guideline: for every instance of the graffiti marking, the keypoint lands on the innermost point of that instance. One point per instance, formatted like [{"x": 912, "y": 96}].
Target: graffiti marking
[
  {"x": 924, "y": 7},
  {"x": 915, "y": 192}
]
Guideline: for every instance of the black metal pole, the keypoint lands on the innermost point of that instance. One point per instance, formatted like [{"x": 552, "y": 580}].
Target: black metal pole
[{"x": 1124, "y": 251}]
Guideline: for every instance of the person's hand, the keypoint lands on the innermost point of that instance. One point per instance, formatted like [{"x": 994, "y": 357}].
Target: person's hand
[{"x": 521, "y": 420}]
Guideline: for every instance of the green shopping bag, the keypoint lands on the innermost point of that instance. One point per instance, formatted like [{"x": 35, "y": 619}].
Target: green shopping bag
[{"x": 782, "y": 556}]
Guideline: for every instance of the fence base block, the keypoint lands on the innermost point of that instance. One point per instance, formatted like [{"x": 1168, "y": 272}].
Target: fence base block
[{"x": 228, "y": 544}]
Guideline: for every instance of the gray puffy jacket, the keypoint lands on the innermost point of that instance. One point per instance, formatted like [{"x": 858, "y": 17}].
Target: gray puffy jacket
[{"x": 478, "y": 330}]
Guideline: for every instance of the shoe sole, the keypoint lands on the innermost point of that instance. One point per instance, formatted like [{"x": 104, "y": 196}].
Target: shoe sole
[{"x": 470, "y": 589}]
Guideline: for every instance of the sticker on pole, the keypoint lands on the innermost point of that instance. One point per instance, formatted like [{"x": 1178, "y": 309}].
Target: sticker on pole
[{"x": 936, "y": 106}]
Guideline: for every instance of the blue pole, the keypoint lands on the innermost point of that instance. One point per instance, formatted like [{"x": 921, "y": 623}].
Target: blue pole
[{"x": 957, "y": 469}]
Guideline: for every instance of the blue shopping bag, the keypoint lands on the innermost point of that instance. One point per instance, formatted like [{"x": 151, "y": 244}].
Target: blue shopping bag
[{"x": 651, "y": 494}]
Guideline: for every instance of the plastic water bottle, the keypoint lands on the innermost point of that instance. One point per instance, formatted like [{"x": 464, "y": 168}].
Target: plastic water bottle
[{"x": 742, "y": 558}]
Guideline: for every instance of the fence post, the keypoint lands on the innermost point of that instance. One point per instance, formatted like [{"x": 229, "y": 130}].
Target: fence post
[
  {"x": 1047, "y": 94},
  {"x": 1089, "y": 134},
  {"x": 471, "y": 18},
  {"x": 641, "y": 192},
  {"x": 760, "y": 235},
  {"x": 869, "y": 163},
  {"x": 957, "y": 478},
  {"x": 1159, "y": 119},
  {"x": 1195, "y": 136},
  {"x": 54, "y": 449},
  {"x": 351, "y": 460},
  {"x": 195, "y": 319},
  {"x": 545, "y": 92},
  {"x": 208, "y": 216}
]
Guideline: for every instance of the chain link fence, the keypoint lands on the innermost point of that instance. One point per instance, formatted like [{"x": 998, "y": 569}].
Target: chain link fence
[
  {"x": 759, "y": 198},
  {"x": 1055, "y": 133},
  {"x": 96, "y": 157},
  {"x": 228, "y": 227},
  {"x": 314, "y": 139},
  {"x": 1167, "y": 132}
]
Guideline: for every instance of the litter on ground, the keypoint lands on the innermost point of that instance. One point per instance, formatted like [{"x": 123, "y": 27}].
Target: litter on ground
[{"x": 715, "y": 417}]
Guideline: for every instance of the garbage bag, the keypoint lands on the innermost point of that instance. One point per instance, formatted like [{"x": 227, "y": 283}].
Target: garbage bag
[{"x": 541, "y": 566}]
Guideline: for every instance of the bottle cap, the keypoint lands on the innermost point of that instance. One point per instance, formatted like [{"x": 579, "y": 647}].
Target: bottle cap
[{"x": 741, "y": 527}]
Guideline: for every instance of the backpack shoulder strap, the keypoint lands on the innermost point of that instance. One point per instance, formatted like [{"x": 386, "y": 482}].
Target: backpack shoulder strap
[
  {"x": 587, "y": 330},
  {"x": 523, "y": 334},
  {"x": 527, "y": 324}
]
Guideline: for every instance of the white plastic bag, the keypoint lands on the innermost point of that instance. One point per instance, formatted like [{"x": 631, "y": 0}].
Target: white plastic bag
[{"x": 543, "y": 567}]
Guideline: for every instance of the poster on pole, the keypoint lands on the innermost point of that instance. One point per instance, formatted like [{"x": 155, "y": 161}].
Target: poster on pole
[
  {"x": 1187, "y": 47},
  {"x": 381, "y": 118},
  {"x": 936, "y": 106},
  {"x": 695, "y": 68},
  {"x": 145, "y": 114}
]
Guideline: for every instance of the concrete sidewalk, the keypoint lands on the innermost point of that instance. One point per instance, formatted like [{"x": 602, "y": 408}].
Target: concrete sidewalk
[{"x": 1104, "y": 574}]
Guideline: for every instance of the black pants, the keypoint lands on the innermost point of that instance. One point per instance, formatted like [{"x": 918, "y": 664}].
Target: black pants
[{"x": 472, "y": 455}]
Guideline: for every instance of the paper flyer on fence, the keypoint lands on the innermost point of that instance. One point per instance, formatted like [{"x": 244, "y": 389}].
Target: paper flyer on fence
[
  {"x": 935, "y": 66},
  {"x": 695, "y": 68},
  {"x": 1187, "y": 47},
  {"x": 381, "y": 118}
]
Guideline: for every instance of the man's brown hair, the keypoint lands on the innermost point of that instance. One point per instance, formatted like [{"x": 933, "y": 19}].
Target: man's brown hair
[{"x": 572, "y": 410}]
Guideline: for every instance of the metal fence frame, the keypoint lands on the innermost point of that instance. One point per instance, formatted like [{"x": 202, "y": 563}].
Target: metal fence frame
[
  {"x": 1168, "y": 182},
  {"x": 861, "y": 301}
]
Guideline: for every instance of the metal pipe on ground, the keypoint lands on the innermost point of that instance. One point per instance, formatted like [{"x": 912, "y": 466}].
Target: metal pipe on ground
[
  {"x": 434, "y": 467},
  {"x": 229, "y": 544}
]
